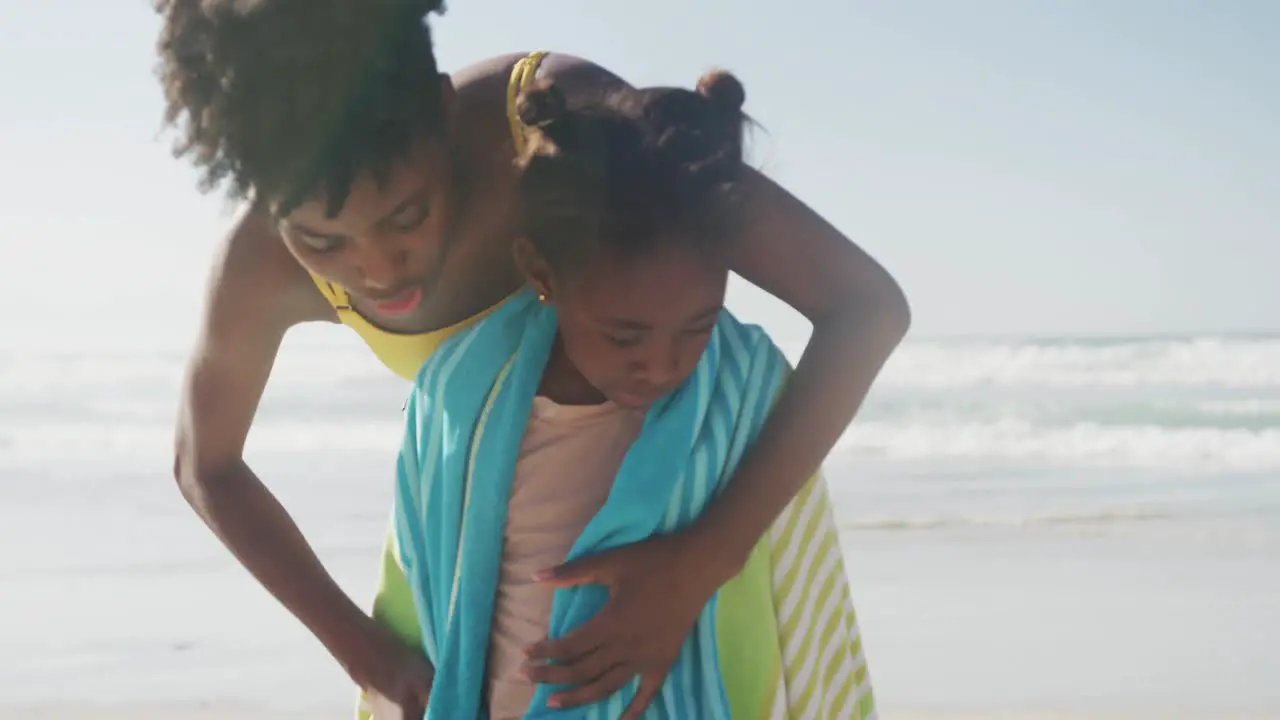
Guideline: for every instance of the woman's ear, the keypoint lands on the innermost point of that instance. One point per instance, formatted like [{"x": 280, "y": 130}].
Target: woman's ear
[{"x": 535, "y": 268}]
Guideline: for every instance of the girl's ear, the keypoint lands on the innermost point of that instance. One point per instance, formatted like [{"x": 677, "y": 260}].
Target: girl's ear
[{"x": 535, "y": 268}]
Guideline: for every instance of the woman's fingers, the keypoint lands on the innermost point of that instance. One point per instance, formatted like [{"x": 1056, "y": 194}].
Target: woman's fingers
[
  {"x": 578, "y": 671},
  {"x": 602, "y": 687}
]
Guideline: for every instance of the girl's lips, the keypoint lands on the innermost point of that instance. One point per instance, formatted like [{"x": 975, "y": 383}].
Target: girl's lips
[
  {"x": 401, "y": 304},
  {"x": 639, "y": 397}
]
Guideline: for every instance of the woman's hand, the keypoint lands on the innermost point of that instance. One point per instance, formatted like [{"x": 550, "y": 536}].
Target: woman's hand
[
  {"x": 657, "y": 590},
  {"x": 381, "y": 663}
]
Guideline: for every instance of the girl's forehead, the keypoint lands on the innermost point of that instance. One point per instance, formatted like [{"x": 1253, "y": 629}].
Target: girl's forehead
[
  {"x": 653, "y": 288},
  {"x": 665, "y": 264}
]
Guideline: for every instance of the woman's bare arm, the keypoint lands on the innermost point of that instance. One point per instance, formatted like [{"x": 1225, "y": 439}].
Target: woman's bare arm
[
  {"x": 859, "y": 315},
  {"x": 256, "y": 292}
]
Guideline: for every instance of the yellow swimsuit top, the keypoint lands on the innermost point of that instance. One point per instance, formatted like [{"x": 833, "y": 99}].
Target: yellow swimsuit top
[{"x": 404, "y": 354}]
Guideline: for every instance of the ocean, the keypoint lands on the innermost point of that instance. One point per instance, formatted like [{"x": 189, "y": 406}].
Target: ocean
[{"x": 1032, "y": 526}]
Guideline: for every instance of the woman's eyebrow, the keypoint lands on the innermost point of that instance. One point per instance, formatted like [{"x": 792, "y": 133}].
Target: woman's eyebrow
[
  {"x": 304, "y": 230},
  {"x": 417, "y": 197}
]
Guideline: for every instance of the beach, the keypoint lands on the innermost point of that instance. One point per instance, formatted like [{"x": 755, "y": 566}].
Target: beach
[{"x": 1038, "y": 529}]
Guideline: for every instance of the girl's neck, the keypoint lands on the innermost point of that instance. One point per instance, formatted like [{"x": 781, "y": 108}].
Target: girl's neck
[{"x": 563, "y": 384}]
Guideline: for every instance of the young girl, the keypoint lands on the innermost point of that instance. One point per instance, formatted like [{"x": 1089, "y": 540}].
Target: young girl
[{"x": 608, "y": 404}]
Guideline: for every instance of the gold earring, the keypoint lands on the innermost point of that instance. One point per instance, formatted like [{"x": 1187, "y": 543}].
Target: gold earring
[{"x": 542, "y": 297}]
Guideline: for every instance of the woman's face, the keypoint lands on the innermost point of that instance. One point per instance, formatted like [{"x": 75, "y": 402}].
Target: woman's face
[
  {"x": 387, "y": 244},
  {"x": 635, "y": 326}
]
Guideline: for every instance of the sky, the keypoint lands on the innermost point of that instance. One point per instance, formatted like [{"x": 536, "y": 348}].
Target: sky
[{"x": 1033, "y": 167}]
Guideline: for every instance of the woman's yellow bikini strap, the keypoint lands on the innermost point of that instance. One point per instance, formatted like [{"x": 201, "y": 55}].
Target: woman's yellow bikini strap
[{"x": 522, "y": 76}]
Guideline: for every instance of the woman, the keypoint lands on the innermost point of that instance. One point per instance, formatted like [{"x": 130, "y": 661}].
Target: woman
[{"x": 384, "y": 197}]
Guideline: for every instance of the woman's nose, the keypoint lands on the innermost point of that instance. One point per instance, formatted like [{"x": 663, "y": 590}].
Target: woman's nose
[{"x": 381, "y": 265}]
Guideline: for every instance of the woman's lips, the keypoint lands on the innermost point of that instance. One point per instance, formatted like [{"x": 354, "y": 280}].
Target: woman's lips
[{"x": 401, "y": 304}]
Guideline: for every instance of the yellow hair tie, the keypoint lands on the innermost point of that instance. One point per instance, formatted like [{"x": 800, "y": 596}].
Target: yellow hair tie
[{"x": 522, "y": 76}]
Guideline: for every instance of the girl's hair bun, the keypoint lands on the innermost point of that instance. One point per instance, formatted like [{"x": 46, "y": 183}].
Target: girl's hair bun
[
  {"x": 542, "y": 105},
  {"x": 723, "y": 89}
]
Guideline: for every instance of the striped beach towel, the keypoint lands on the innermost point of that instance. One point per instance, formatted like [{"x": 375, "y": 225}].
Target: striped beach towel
[{"x": 780, "y": 640}]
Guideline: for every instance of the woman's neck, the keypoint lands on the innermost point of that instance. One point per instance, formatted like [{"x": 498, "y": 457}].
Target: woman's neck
[{"x": 563, "y": 384}]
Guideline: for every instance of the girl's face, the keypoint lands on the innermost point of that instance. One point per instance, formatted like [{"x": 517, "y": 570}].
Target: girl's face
[{"x": 635, "y": 326}]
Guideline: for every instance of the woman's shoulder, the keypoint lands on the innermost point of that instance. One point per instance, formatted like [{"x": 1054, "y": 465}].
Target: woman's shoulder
[
  {"x": 482, "y": 86},
  {"x": 254, "y": 270},
  {"x": 479, "y": 78},
  {"x": 489, "y": 77}
]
